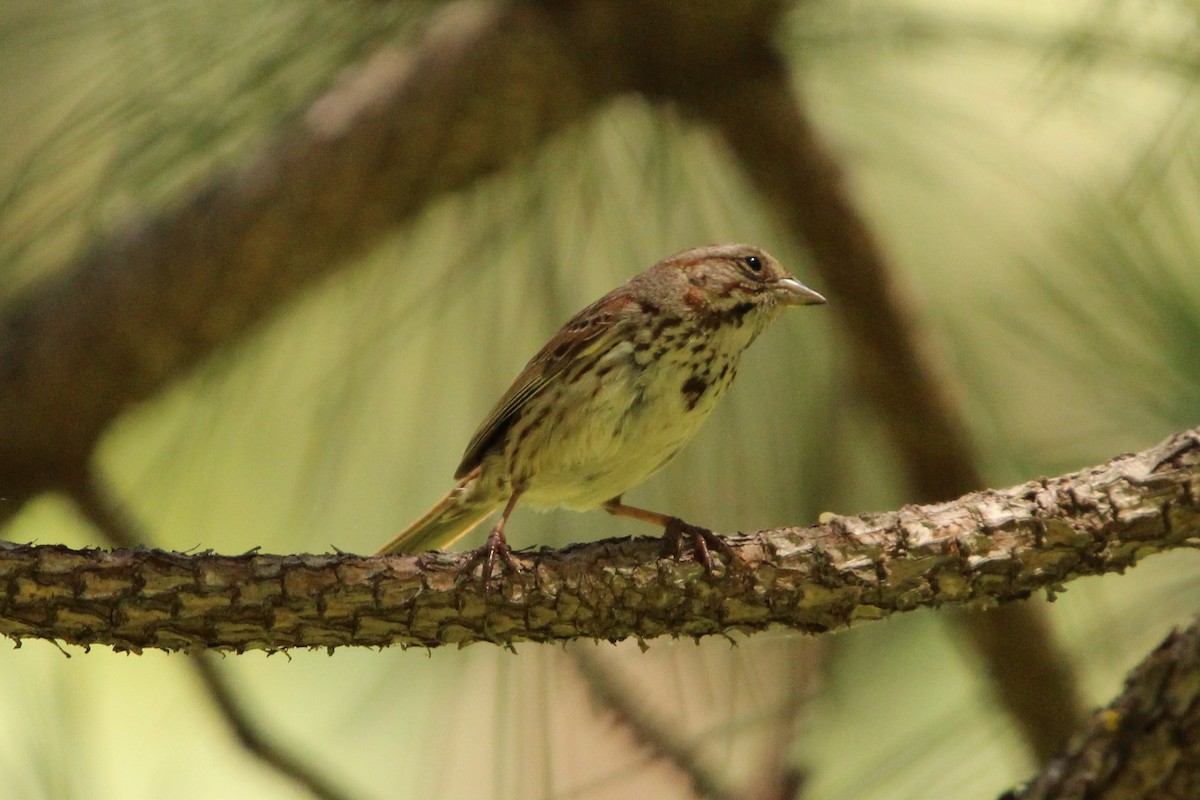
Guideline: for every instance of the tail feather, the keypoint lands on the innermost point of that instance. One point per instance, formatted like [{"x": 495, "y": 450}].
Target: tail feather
[{"x": 448, "y": 521}]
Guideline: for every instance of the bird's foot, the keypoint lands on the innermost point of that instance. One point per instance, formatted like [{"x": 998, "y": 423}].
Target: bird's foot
[
  {"x": 704, "y": 542},
  {"x": 496, "y": 545}
]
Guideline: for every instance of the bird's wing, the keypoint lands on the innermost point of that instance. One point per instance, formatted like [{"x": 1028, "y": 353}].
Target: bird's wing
[{"x": 594, "y": 328}]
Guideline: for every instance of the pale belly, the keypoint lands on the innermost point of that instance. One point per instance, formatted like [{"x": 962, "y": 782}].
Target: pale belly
[{"x": 625, "y": 430}]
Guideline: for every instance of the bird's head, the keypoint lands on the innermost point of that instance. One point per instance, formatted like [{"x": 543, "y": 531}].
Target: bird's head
[{"x": 732, "y": 278}]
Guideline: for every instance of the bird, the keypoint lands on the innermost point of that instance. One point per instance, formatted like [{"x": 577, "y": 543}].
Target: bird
[{"x": 613, "y": 397}]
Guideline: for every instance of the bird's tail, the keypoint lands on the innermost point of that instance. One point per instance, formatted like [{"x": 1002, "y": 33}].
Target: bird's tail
[{"x": 449, "y": 520}]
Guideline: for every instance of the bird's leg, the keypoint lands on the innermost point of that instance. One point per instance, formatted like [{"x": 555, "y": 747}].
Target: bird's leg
[
  {"x": 704, "y": 541},
  {"x": 496, "y": 544}
]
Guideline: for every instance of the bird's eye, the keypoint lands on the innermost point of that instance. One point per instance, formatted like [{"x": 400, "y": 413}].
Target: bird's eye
[{"x": 754, "y": 263}]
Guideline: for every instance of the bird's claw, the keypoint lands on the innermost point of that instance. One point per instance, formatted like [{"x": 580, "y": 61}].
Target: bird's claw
[
  {"x": 703, "y": 541},
  {"x": 494, "y": 546}
]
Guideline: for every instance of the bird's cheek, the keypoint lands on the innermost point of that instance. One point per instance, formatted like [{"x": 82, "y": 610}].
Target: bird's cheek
[{"x": 695, "y": 297}]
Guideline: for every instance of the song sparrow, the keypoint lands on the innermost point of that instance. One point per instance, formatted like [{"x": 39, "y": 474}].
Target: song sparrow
[{"x": 614, "y": 396}]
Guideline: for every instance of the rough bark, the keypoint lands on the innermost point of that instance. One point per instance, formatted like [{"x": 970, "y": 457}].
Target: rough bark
[
  {"x": 983, "y": 549},
  {"x": 1145, "y": 745}
]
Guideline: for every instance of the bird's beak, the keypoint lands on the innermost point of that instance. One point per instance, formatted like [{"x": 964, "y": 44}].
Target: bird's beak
[{"x": 792, "y": 292}]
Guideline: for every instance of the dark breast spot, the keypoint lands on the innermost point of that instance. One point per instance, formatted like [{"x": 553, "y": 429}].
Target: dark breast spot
[
  {"x": 693, "y": 389},
  {"x": 664, "y": 324}
]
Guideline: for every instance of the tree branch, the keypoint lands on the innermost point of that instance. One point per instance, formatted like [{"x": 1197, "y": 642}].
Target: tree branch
[
  {"x": 985, "y": 548},
  {"x": 1145, "y": 745}
]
